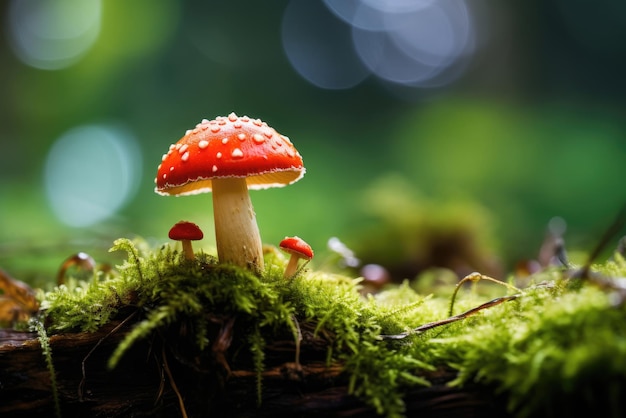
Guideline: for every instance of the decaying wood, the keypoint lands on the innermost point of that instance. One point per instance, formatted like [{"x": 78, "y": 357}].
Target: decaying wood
[{"x": 220, "y": 383}]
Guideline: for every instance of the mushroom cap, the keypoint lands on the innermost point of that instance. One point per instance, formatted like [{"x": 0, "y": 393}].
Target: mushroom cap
[
  {"x": 185, "y": 231},
  {"x": 297, "y": 246},
  {"x": 228, "y": 147}
]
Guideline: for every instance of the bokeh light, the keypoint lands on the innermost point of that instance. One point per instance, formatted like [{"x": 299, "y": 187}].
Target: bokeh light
[
  {"x": 421, "y": 43},
  {"x": 91, "y": 171},
  {"x": 53, "y": 34},
  {"x": 319, "y": 46},
  {"x": 373, "y": 14},
  {"x": 416, "y": 46}
]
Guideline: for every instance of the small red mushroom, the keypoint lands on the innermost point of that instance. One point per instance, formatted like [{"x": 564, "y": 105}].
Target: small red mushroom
[
  {"x": 186, "y": 232},
  {"x": 227, "y": 156},
  {"x": 298, "y": 249}
]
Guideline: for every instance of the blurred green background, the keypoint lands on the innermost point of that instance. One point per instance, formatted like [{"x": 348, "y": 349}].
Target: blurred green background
[{"x": 500, "y": 115}]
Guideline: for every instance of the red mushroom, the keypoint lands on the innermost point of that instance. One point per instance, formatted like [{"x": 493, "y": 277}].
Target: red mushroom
[
  {"x": 298, "y": 249},
  {"x": 227, "y": 156},
  {"x": 186, "y": 232}
]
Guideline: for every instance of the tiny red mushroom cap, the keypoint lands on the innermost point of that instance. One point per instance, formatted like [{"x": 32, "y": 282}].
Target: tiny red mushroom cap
[
  {"x": 297, "y": 246},
  {"x": 185, "y": 231}
]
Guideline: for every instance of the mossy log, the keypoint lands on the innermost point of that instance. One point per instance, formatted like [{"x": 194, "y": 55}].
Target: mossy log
[
  {"x": 161, "y": 377},
  {"x": 167, "y": 337}
]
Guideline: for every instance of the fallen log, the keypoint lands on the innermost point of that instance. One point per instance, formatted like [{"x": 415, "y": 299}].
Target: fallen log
[{"x": 157, "y": 378}]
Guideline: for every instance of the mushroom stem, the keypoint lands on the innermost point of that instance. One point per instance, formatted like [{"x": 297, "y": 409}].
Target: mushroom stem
[
  {"x": 236, "y": 232},
  {"x": 188, "y": 250},
  {"x": 292, "y": 266}
]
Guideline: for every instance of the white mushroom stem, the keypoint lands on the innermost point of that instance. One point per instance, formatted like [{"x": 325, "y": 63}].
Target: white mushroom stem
[
  {"x": 236, "y": 231},
  {"x": 187, "y": 249},
  {"x": 292, "y": 266}
]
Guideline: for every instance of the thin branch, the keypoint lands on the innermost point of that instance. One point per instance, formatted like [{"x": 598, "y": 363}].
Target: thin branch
[
  {"x": 166, "y": 367},
  {"x": 81, "y": 385},
  {"x": 449, "y": 320},
  {"x": 475, "y": 277}
]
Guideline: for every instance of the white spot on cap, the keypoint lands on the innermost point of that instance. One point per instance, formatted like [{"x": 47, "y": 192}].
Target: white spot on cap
[
  {"x": 172, "y": 146},
  {"x": 163, "y": 157},
  {"x": 215, "y": 128},
  {"x": 218, "y": 155},
  {"x": 185, "y": 156},
  {"x": 241, "y": 137},
  {"x": 257, "y": 122},
  {"x": 245, "y": 119},
  {"x": 178, "y": 145},
  {"x": 237, "y": 124},
  {"x": 224, "y": 141},
  {"x": 203, "y": 144},
  {"x": 188, "y": 131},
  {"x": 258, "y": 138},
  {"x": 214, "y": 169},
  {"x": 183, "y": 148},
  {"x": 232, "y": 117},
  {"x": 204, "y": 121},
  {"x": 164, "y": 176},
  {"x": 237, "y": 153},
  {"x": 172, "y": 168}
]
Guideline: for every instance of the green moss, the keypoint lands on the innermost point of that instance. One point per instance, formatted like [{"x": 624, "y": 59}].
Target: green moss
[
  {"x": 44, "y": 341},
  {"x": 549, "y": 339},
  {"x": 548, "y": 345}
]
